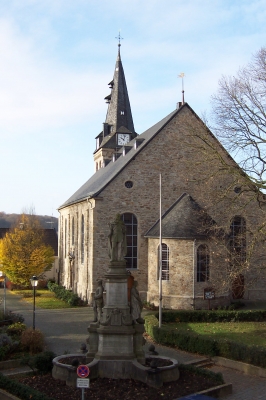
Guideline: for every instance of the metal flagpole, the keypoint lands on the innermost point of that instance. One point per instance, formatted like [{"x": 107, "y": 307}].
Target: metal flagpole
[{"x": 160, "y": 258}]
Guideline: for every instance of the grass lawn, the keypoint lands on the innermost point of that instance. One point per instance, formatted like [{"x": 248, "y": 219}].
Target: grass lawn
[
  {"x": 44, "y": 298},
  {"x": 249, "y": 333}
]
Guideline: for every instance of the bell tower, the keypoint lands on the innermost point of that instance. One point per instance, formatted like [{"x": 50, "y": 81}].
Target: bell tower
[{"x": 118, "y": 128}]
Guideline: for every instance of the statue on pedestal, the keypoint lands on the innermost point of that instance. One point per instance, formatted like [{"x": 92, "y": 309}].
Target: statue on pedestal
[
  {"x": 98, "y": 301},
  {"x": 117, "y": 240}
]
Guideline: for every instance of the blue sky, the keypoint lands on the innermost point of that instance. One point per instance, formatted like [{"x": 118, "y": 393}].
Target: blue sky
[{"x": 57, "y": 57}]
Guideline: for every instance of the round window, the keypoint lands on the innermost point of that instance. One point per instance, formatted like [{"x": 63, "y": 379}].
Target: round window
[{"x": 129, "y": 184}]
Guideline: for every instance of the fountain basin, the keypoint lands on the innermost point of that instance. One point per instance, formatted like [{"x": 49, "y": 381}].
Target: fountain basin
[{"x": 118, "y": 369}]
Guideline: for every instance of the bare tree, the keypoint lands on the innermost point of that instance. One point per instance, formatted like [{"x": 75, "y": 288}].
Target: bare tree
[{"x": 239, "y": 116}]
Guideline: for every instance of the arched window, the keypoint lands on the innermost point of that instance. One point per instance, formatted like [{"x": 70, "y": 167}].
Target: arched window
[
  {"x": 203, "y": 263},
  {"x": 237, "y": 241},
  {"x": 73, "y": 232},
  {"x": 165, "y": 262},
  {"x": 82, "y": 246},
  {"x": 132, "y": 239}
]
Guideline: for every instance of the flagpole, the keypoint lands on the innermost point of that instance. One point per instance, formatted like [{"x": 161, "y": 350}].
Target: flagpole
[{"x": 160, "y": 257}]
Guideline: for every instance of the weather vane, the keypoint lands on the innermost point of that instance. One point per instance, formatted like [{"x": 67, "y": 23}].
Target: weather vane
[
  {"x": 119, "y": 38},
  {"x": 181, "y": 75}
]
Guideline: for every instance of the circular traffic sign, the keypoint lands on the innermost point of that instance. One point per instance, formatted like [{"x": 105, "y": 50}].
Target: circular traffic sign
[{"x": 83, "y": 371}]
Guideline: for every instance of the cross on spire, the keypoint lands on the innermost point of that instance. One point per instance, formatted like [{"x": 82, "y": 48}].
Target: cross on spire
[{"x": 119, "y": 38}]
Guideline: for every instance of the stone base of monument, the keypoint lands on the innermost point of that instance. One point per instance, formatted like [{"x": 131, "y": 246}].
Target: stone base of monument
[
  {"x": 153, "y": 376},
  {"x": 116, "y": 340}
]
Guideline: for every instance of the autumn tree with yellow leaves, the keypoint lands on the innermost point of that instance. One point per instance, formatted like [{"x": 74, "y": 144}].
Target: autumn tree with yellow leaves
[{"x": 23, "y": 252}]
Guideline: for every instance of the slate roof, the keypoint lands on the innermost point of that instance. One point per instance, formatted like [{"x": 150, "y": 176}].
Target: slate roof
[
  {"x": 119, "y": 100},
  {"x": 104, "y": 176},
  {"x": 185, "y": 219}
]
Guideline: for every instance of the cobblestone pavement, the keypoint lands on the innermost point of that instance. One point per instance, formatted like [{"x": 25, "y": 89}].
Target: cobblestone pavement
[{"x": 66, "y": 329}]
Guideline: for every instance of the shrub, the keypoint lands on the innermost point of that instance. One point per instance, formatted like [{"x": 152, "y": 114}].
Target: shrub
[
  {"x": 216, "y": 376},
  {"x": 32, "y": 340},
  {"x": 213, "y": 316},
  {"x": 22, "y": 391},
  {"x": 199, "y": 344},
  {"x": 16, "y": 329},
  {"x": 63, "y": 294},
  {"x": 7, "y": 346},
  {"x": 43, "y": 362},
  {"x": 14, "y": 317}
]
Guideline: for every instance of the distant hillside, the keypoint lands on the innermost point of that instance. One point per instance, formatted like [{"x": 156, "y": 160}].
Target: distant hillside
[{"x": 9, "y": 220}]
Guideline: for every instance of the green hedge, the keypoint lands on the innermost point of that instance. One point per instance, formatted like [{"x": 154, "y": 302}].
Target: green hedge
[
  {"x": 63, "y": 294},
  {"x": 194, "y": 343},
  {"x": 213, "y": 316},
  {"x": 216, "y": 376},
  {"x": 23, "y": 392}
]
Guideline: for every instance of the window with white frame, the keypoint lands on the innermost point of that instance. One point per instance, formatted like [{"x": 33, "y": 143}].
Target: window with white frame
[
  {"x": 165, "y": 262},
  {"x": 203, "y": 263},
  {"x": 131, "y": 224}
]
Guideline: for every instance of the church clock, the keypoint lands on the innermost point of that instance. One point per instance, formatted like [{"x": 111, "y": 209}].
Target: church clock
[{"x": 122, "y": 139}]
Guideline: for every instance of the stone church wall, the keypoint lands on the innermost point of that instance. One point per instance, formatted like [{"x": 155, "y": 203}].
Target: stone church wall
[{"x": 174, "y": 154}]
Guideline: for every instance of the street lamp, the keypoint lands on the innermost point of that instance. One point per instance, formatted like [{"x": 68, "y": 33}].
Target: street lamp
[
  {"x": 34, "y": 283},
  {"x": 4, "y": 280}
]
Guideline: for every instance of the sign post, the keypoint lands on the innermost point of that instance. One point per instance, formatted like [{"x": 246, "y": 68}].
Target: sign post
[
  {"x": 209, "y": 294},
  {"x": 83, "y": 371}
]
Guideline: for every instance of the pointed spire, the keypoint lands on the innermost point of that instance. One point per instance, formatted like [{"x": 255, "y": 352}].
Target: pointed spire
[{"x": 119, "y": 111}]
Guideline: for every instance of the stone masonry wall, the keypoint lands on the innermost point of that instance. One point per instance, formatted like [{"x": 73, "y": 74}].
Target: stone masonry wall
[{"x": 173, "y": 153}]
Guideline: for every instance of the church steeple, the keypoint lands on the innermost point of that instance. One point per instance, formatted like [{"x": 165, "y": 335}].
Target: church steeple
[
  {"x": 118, "y": 128},
  {"x": 119, "y": 111}
]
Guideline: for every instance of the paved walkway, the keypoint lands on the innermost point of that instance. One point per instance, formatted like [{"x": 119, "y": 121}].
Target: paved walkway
[{"x": 66, "y": 329}]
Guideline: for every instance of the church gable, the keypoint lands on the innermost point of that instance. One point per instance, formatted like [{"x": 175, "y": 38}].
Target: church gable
[
  {"x": 189, "y": 159},
  {"x": 185, "y": 219}
]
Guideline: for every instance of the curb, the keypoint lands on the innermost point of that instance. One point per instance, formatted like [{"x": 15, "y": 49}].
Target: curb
[
  {"x": 7, "y": 396},
  {"x": 217, "y": 391},
  {"x": 9, "y": 364},
  {"x": 240, "y": 366}
]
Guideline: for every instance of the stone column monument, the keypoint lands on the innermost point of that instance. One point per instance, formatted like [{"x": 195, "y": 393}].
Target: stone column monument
[{"x": 118, "y": 333}]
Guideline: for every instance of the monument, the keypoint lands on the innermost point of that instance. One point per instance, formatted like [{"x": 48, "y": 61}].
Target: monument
[{"x": 116, "y": 334}]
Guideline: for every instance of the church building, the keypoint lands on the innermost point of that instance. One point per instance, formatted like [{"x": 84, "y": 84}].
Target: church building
[{"x": 206, "y": 214}]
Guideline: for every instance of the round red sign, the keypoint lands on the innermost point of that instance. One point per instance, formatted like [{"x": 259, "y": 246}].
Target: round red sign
[{"x": 83, "y": 371}]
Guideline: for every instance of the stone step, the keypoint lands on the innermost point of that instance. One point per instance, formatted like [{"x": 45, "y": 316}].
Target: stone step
[
  {"x": 16, "y": 371},
  {"x": 198, "y": 361}
]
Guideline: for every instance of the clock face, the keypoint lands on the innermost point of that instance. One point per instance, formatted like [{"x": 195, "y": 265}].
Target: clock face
[{"x": 122, "y": 139}]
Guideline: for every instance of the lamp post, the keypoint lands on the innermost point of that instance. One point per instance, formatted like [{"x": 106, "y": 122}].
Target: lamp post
[
  {"x": 4, "y": 280},
  {"x": 34, "y": 283}
]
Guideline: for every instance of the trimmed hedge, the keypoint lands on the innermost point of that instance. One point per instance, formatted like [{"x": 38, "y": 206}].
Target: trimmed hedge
[
  {"x": 194, "y": 343},
  {"x": 64, "y": 294},
  {"x": 213, "y": 316},
  {"x": 23, "y": 392},
  {"x": 216, "y": 376}
]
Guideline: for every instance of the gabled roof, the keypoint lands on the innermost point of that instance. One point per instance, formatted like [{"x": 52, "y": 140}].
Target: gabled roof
[
  {"x": 185, "y": 219},
  {"x": 104, "y": 176}
]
